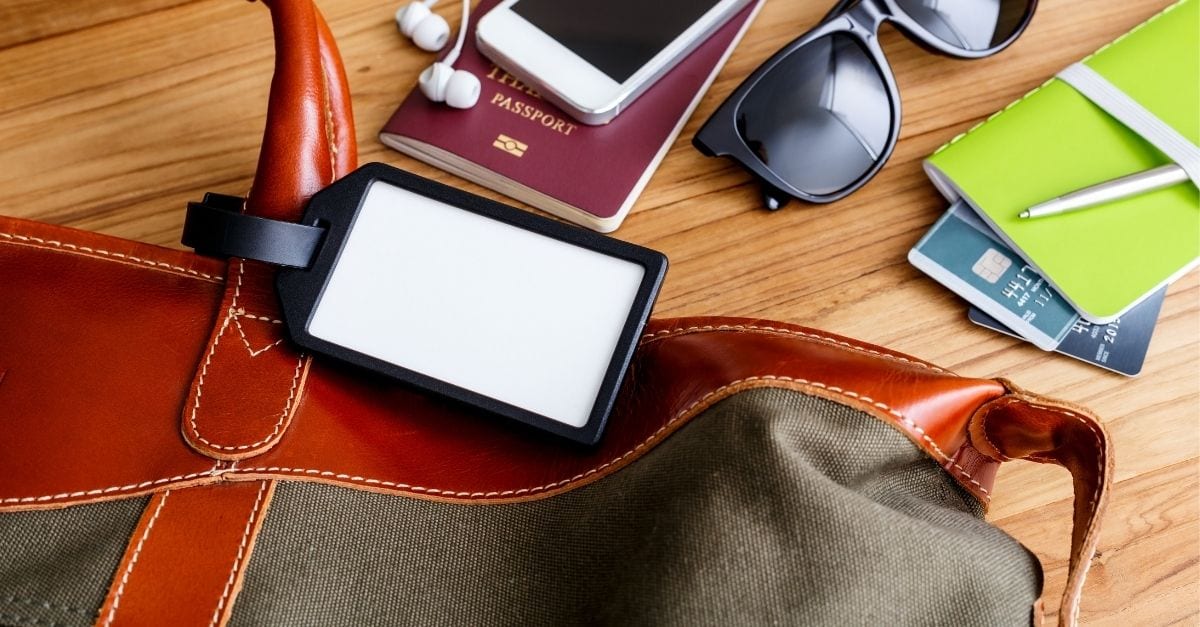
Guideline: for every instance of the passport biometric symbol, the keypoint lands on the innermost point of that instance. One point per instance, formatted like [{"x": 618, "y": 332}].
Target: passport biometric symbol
[{"x": 510, "y": 145}]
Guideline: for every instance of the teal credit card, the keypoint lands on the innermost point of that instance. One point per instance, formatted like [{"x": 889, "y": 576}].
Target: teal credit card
[{"x": 963, "y": 254}]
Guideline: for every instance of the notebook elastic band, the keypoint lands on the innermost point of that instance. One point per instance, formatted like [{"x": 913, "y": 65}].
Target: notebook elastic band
[{"x": 1137, "y": 118}]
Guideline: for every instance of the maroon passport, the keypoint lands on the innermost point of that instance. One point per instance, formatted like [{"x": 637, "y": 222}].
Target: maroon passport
[{"x": 522, "y": 146}]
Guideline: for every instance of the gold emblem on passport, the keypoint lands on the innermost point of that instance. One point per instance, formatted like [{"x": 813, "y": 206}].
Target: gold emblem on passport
[{"x": 510, "y": 145}]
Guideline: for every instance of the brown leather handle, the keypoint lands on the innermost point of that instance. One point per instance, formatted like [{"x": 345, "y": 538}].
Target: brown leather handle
[
  {"x": 308, "y": 144},
  {"x": 1023, "y": 425},
  {"x": 309, "y": 139}
]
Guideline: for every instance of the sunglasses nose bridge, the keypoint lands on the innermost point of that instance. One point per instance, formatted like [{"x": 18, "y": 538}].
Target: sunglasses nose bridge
[{"x": 866, "y": 16}]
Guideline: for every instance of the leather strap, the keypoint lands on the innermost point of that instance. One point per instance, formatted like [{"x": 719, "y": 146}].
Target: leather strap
[
  {"x": 186, "y": 558},
  {"x": 308, "y": 143},
  {"x": 1023, "y": 425},
  {"x": 216, "y": 226},
  {"x": 309, "y": 138}
]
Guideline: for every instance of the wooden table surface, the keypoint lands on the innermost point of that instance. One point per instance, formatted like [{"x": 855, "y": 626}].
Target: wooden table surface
[{"x": 113, "y": 115}]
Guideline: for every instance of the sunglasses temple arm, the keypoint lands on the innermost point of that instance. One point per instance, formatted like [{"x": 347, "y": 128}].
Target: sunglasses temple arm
[{"x": 773, "y": 197}]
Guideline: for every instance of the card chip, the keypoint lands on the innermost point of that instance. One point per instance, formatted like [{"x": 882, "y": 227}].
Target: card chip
[{"x": 991, "y": 265}]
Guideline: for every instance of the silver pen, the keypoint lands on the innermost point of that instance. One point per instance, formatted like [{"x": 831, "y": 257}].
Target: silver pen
[{"x": 1108, "y": 191}]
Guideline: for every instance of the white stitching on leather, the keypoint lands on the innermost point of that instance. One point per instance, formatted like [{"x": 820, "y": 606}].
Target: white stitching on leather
[
  {"x": 80, "y": 250},
  {"x": 137, "y": 551},
  {"x": 914, "y": 426},
  {"x": 1100, "y": 462},
  {"x": 242, "y": 313},
  {"x": 232, "y": 315},
  {"x": 650, "y": 337},
  {"x": 242, "y": 332},
  {"x": 423, "y": 490},
  {"x": 987, "y": 438},
  {"x": 241, "y": 553},
  {"x": 200, "y": 387},
  {"x": 665, "y": 333},
  {"x": 435, "y": 491},
  {"x": 330, "y": 128},
  {"x": 112, "y": 489}
]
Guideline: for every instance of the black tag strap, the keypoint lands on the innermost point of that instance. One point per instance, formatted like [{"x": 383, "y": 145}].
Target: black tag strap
[{"x": 217, "y": 227}]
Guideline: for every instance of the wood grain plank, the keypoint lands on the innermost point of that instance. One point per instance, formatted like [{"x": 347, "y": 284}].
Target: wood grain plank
[
  {"x": 1152, "y": 525},
  {"x": 31, "y": 20},
  {"x": 113, "y": 115}
]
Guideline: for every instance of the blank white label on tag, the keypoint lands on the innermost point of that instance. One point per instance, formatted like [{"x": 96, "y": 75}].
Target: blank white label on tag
[{"x": 477, "y": 303}]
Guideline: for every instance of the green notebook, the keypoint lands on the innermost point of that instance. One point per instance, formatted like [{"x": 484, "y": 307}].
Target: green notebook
[{"x": 1106, "y": 259}]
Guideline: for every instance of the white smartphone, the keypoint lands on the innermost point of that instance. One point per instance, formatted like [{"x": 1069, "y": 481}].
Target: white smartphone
[{"x": 592, "y": 58}]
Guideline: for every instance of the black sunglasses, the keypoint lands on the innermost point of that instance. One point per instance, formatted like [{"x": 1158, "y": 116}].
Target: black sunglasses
[{"x": 819, "y": 118}]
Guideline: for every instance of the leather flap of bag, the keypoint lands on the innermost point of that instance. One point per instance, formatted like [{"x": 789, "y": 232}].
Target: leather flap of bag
[
  {"x": 98, "y": 340},
  {"x": 102, "y": 335}
]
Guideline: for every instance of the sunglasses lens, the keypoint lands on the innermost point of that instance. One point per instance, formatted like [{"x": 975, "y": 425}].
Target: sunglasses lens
[
  {"x": 821, "y": 117},
  {"x": 969, "y": 24}
]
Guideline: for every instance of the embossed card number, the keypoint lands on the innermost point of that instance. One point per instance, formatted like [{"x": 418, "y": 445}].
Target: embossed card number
[{"x": 511, "y": 312}]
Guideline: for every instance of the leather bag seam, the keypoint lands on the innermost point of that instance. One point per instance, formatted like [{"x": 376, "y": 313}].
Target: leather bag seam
[
  {"x": 937, "y": 450},
  {"x": 939, "y": 454},
  {"x": 114, "y": 489},
  {"x": 330, "y": 128},
  {"x": 91, "y": 252},
  {"x": 667, "y": 333},
  {"x": 988, "y": 438}
]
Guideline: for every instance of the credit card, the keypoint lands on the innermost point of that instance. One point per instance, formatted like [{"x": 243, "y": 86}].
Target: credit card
[
  {"x": 1119, "y": 346},
  {"x": 963, "y": 254}
]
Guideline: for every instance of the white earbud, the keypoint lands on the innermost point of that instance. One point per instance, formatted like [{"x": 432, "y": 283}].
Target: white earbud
[
  {"x": 440, "y": 82},
  {"x": 427, "y": 29}
]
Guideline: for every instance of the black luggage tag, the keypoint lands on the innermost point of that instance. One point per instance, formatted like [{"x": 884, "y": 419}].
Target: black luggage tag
[{"x": 496, "y": 307}]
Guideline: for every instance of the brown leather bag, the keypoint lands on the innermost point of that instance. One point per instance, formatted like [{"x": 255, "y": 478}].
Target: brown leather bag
[{"x": 161, "y": 382}]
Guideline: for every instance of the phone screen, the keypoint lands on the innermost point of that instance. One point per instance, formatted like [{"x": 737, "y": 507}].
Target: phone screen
[{"x": 618, "y": 37}]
